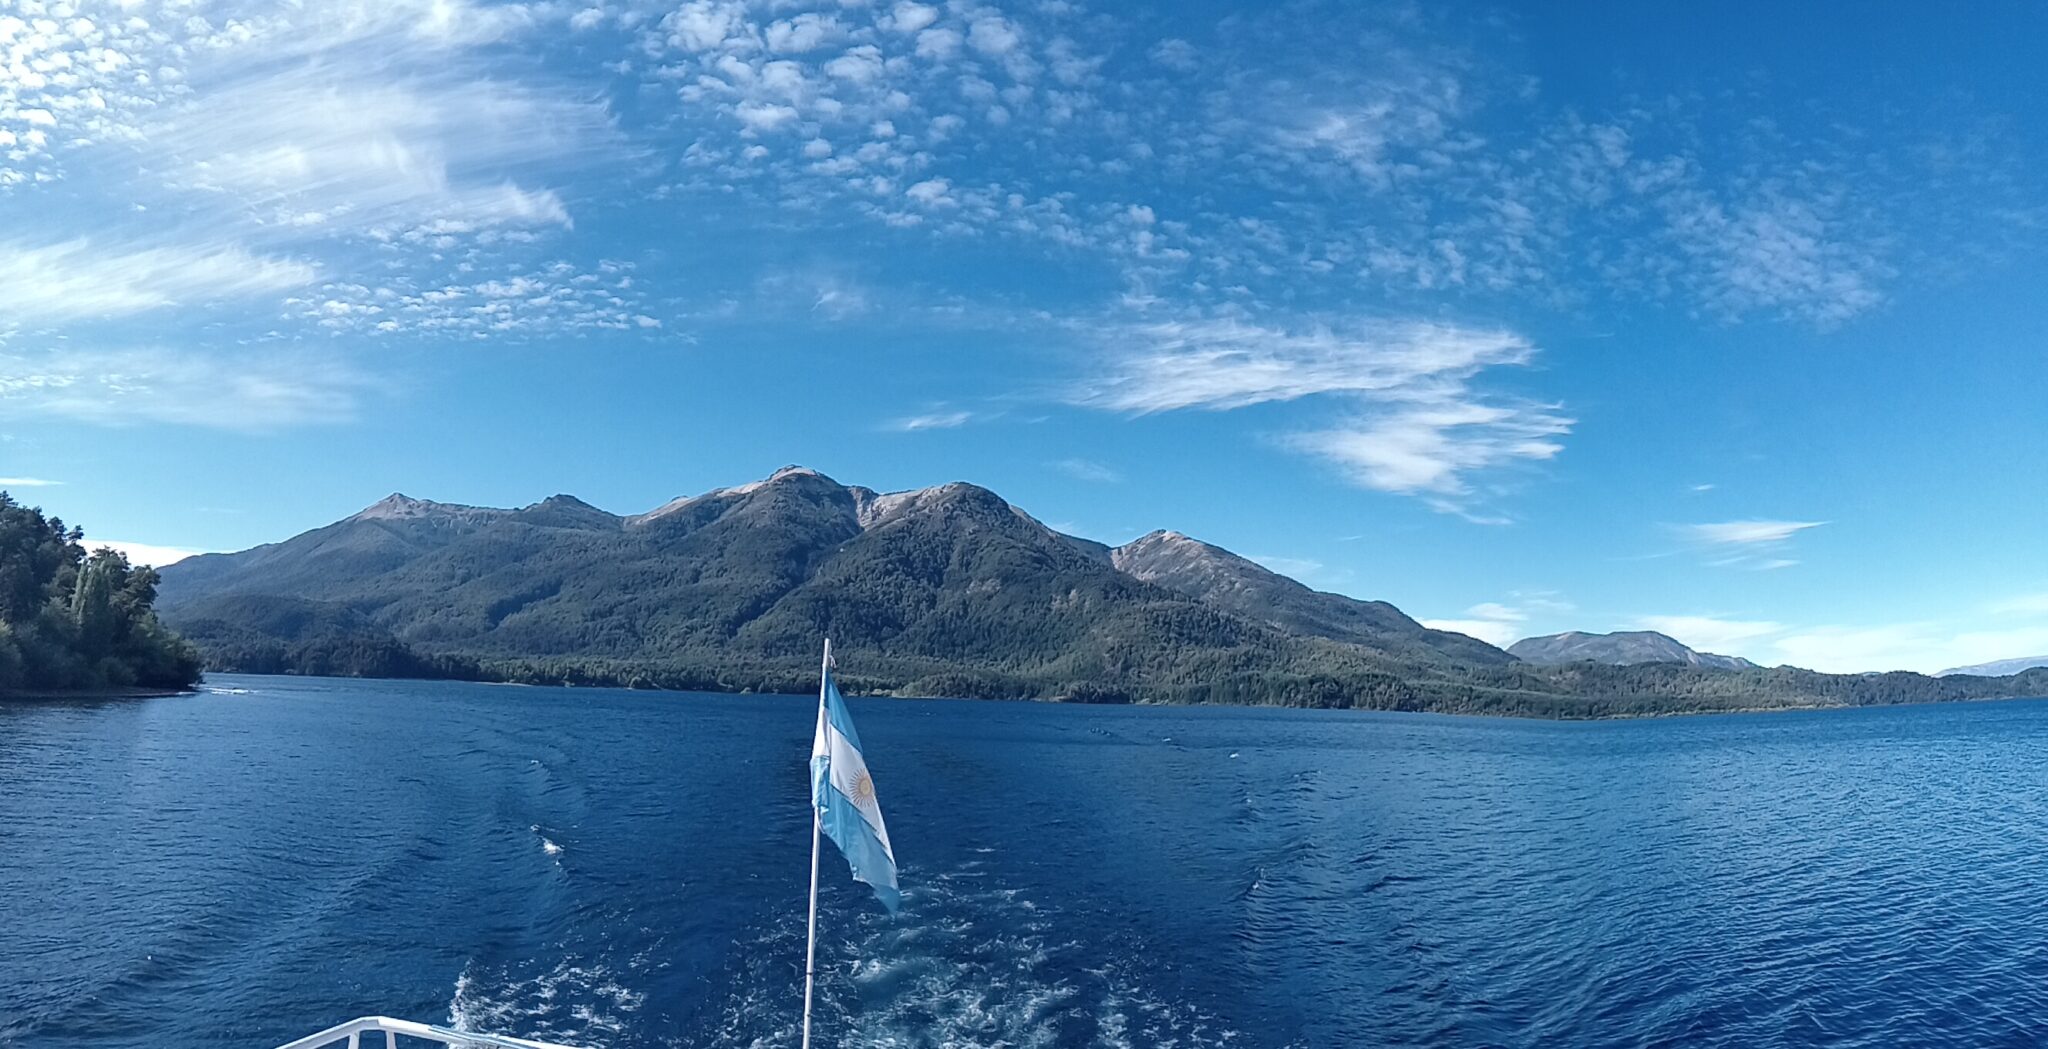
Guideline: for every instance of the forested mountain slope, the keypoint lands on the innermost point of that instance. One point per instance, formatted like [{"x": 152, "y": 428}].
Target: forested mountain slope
[{"x": 940, "y": 591}]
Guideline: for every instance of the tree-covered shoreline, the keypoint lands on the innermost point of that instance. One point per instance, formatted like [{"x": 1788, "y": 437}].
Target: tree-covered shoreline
[
  {"x": 1579, "y": 691},
  {"x": 73, "y": 620}
]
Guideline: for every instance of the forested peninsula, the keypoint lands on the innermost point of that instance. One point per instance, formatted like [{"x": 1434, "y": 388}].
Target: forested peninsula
[{"x": 79, "y": 621}]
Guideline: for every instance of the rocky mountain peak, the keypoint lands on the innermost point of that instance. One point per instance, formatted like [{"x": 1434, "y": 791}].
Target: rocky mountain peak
[{"x": 398, "y": 506}]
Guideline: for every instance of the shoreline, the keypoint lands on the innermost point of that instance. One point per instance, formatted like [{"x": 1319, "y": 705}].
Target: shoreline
[
  {"x": 129, "y": 692},
  {"x": 1645, "y": 716}
]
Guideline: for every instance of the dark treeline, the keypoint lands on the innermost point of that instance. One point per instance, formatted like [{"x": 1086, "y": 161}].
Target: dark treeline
[
  {"x": 1321, "y": 680},
  {"x": 72, "y": 620}
]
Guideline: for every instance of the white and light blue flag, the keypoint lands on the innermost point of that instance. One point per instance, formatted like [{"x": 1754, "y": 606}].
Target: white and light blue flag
[{"x": 844, "y": 797}]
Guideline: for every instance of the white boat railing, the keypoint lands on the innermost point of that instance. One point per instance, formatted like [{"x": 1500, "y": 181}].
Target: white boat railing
[{"x": 353, "y": 1031}]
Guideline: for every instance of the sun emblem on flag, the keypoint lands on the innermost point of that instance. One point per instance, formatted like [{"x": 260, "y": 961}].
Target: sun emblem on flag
[{"x": 863, "y": 789}]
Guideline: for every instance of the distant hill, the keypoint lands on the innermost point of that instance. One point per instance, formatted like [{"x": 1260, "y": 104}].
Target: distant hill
[
  {"x": 1621, "y": 648},
  {"x": 1999, "y": 668},
  {"x": 947, "y": 590},
  {"x": 1223, "y": 579}
]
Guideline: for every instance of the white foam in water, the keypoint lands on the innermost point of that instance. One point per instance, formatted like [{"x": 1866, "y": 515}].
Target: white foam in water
[
  {"x": 583, "y": 1004},
  {"x": 965, "y": 964},
  {"x": 229, "y": 691},
  {"x": 547, "y": 844}
]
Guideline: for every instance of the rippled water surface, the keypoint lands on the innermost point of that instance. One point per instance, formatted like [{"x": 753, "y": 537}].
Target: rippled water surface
[{"x": 247, "y": 865}]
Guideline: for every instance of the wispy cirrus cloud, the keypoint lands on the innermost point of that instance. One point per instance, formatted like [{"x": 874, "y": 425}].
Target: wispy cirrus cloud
[
  {"x": 1756, "y": 545},
  {"x": 28, "y": 482},
  {"x": 1418, "y": 424},
  {"x": 407, "y": 148},
  {"x": 933, "y": 420},
  {"x": 1434, "y": 448},
  {"x": 1088, "y": 470},
  {"x": 240, "y": 150},
  {"x": 238, "y": 391},
  {"x": 1220, "y": 364},
  {"x": 375, "y": 148},
  {"x": 81, "y": 279},
  {"x": 1746, "y": 533}
]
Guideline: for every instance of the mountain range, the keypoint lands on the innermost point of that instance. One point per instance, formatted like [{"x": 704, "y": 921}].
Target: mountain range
[
  {"x": 1999, "y": 668},
  {"x": 948, "y": 591},
  {"x": 1621, "y": 648}
]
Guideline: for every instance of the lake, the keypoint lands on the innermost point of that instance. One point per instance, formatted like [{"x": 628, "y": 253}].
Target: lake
[{"x": 274, "y": 855}]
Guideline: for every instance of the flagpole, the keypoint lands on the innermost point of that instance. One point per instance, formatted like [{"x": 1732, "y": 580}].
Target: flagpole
[{"x": 811, "y": 933}]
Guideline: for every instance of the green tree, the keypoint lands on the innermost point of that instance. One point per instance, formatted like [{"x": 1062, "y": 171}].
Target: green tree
[
  {"x": 92, "y": 603},
  {"x": 69, "y": 621},
  {"x": 37, "y": 557}
]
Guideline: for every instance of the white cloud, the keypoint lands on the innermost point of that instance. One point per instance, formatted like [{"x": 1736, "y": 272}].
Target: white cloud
[
  {"x": 1419, "y": 426},
  {"x": 1432, "y": 449},
  {"x": 1778, "y": 254},
  {"x": 1709, "y": 633},
  {"x": 1925, "y": 648},
  {"x": 1175, "y": 54},
  {"x": 939, "y": 45},
  {"x": 940, "y": 420},
  {"x": 28, "y": 482},
  {"x": 242, "y": 391},
  {"x": 930, "y": 192},
  {"x": 144, "y": 553},
  {"x": 911, "y": 17},
  {"x": 1088, "y": 470},
  {"x": 704, "y": 25},
  {"x": 333, "y": 115},
  {"x": 1224, "y": 364},
  {"x": 1498, "y": 624},
  {"x": 1492, "y": 631},
  {"x": 375, "y": 149},
  {"x": 1921, "y": 647},
  {"x": 1746, "y": 533},
  {"x": 837, "y": 301},
  {"x": 994, "y": 35},
  {"x": 764, "y": 116},
  {"x": 79, "y": 279},
  {"x": 805, "y": 32},
  {"x": 552, "y": 299}
]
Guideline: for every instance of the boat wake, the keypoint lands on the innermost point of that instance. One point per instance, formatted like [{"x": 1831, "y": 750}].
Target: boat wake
[
  {"x": 582, "y": 1004},
  {"x": 966, "y": 963}
]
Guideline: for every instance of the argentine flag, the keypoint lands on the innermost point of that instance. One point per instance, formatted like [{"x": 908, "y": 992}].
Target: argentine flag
[{"x": 844, "y": 798}]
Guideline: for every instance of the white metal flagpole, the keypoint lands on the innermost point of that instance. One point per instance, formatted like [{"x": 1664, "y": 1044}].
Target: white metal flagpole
[{"x": 811, "y": 934}]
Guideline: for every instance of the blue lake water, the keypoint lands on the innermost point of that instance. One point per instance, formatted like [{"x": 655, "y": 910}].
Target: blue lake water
[{"x": 247, "y": 865}]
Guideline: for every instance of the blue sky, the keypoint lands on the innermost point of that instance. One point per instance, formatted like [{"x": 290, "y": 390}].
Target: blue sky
[{"x": 1720, "y": 321}]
